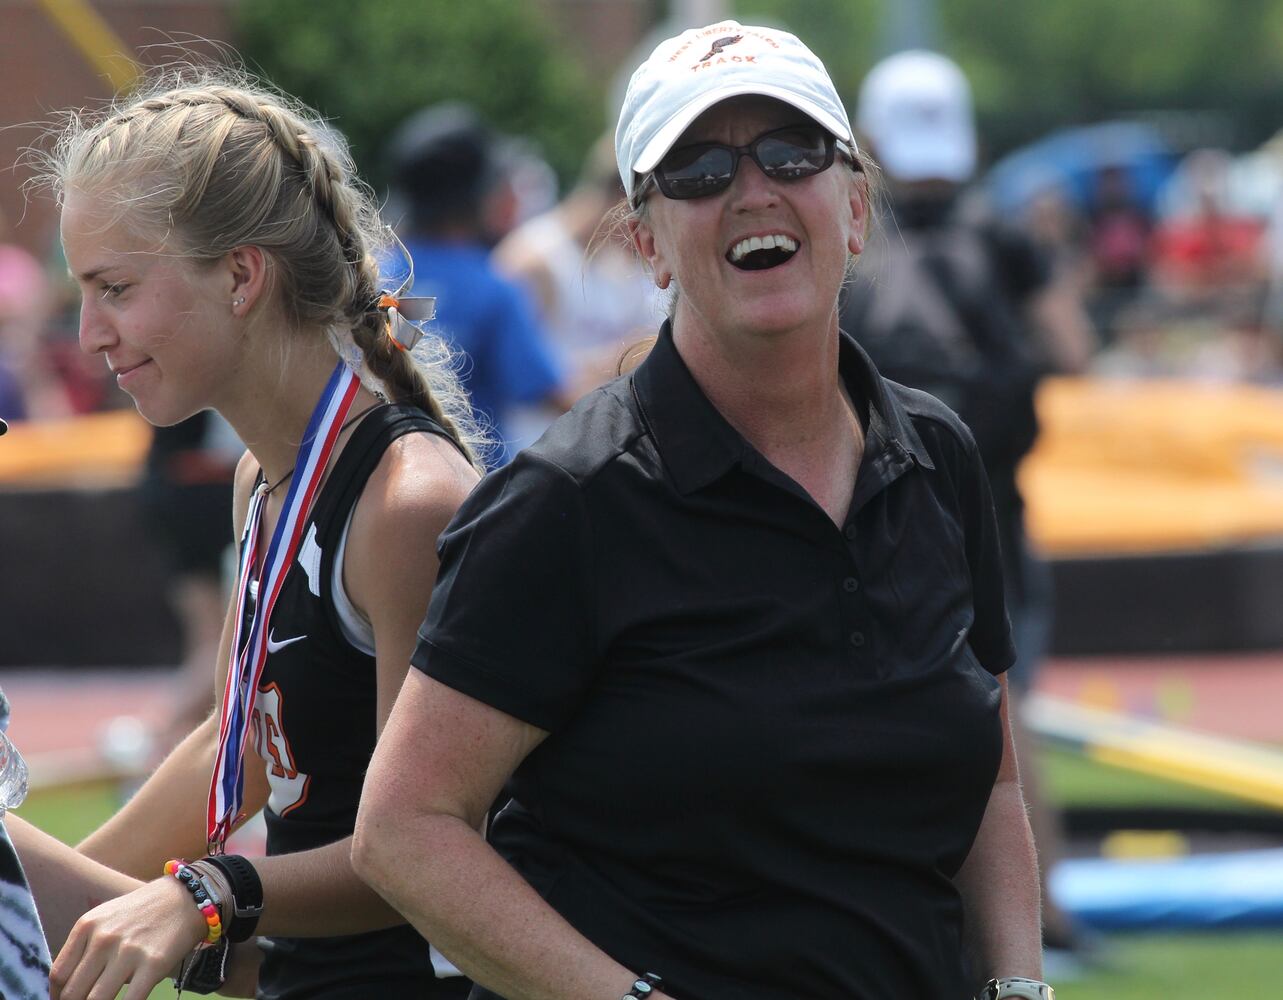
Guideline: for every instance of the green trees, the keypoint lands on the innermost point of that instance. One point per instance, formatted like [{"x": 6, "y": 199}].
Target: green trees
[
  {"x": 1034, "y": 64},
  {"x": 369, "y": 64},
  {"x": 1042, "y": 63},
  {"x": 1039, "y": 64}
]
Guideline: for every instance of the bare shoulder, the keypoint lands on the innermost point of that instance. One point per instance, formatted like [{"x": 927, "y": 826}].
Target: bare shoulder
[
  {"x": 391, "y": 561},
  {"x": 413, "y": 492},
  {"x": 246, "y": 473},
  {"x": 520, "y": 256}
]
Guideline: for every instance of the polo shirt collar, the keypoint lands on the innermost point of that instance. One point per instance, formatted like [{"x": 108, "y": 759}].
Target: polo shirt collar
[
  {"x": 889, "y": 422},
  {"x": 696, "y": 442},
  {"x": 699, "y": 446}
]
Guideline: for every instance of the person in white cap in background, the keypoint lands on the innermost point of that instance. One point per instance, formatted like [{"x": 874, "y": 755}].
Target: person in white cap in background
[
  {"x": 747, "y": 699},
  {"x": 957, "y": 303}
]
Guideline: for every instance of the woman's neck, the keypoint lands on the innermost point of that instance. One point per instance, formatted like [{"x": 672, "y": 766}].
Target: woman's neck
[
  {"x": 270, "y": 406},
  {"x": 781, "y": 391}
]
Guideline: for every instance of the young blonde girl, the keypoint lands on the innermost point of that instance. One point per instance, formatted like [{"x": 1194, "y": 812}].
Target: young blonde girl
[{"x": 225, "y": 251}]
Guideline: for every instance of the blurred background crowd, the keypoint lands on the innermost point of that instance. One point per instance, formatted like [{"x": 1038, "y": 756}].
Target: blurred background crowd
[
  {"x": 1150, "y": 170},
  {"x": 1137, "y": 147}
]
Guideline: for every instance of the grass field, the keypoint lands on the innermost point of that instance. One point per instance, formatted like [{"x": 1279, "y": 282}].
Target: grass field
[
  {"x": 1168, "y": 966},
  {"x": 1073, "y": 780}
]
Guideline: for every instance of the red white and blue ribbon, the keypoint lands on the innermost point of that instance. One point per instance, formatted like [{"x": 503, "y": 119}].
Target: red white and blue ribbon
[{"x": 249, "y": 645}]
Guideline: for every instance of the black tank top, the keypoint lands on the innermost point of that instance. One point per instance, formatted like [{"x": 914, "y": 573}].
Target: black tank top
[{"x": 314, "y": 724}]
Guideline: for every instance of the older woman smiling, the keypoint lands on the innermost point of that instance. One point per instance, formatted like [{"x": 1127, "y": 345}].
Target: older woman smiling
[{"x": 732, "y": 631}]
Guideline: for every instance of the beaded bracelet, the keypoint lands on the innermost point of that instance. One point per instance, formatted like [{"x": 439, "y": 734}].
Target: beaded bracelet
[
  {"x": 179, "y": 870},
  {"x": 245, "y": 905},
  {"x": 216, "y": 884}
]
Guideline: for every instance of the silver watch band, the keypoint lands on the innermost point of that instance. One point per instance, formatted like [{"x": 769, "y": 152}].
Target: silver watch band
[{"x": 1014, "y": 986}]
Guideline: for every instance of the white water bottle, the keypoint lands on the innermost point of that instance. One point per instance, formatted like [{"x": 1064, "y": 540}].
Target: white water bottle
[{"x": 13, "y": 776}]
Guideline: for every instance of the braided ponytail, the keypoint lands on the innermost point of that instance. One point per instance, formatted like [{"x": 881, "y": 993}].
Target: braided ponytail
[
  {"x": 426, "y": 377},
  {"x": 214, "y": 162}
]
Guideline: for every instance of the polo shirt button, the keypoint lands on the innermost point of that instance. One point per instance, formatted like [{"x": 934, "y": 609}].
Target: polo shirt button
[
  {"x": 850, "y": 585},
  {"x": 857, "y": 639},
  {"x": 849, "y": 531}
]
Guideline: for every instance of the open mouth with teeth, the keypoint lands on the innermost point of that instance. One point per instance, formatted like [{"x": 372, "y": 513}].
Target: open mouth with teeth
[{"x": 759, "y": 253}]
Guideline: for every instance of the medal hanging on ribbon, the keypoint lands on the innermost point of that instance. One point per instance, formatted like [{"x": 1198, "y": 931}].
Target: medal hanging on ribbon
[{"x": 249, "y": 644}]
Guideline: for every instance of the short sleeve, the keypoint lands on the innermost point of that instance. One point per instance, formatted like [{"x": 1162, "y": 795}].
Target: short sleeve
[
  {"x": 511, "y": 621},
  {"x": 990, "y": 637},
  {"x": 527, "y": 371}
]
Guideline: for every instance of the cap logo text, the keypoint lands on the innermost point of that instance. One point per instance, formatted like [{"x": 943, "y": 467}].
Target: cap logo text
[{"x": 712, "y": 30}]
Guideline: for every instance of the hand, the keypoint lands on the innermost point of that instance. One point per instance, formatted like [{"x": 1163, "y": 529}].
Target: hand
[{"x": 138, "y": 938}]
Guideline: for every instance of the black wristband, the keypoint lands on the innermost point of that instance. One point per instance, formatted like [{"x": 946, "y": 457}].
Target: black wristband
[
  {"x": 204, "y": 971},
  {"x": 247, "y": 895},
  {"x": 643, "y": 987}
]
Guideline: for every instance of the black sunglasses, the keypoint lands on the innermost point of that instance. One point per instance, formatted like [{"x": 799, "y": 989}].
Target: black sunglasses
[{"x": 707, "y": 168}]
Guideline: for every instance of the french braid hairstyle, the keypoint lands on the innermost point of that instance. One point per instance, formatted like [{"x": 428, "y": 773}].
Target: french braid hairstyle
[{"x": 213, "y": 161}]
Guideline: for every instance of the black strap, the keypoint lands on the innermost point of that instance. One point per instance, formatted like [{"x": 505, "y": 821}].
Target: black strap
[
  {"x": 352, "y": 470},
  {"x": 378, "y": 429},
  {"x": 204, "y": 970},
  {"x": 247, "y": 895}
]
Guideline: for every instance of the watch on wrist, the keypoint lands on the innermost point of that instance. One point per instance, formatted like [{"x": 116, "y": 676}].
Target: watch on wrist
[
  {"x": 647, "y": 984},
  {"x": 1014, "y": 986},
  {"x": 247, "y": 895}
]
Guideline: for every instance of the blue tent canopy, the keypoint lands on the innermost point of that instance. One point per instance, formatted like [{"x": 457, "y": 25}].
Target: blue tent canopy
[{"x": 1073, "y": 158}]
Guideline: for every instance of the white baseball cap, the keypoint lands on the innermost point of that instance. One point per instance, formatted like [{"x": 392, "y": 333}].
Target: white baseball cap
[
  {"x": 915, "y": 110},
  {"x": 689, "y": 73}
]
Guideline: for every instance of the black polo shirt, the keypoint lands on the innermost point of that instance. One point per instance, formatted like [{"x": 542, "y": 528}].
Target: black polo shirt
[{"x": 772, "y": 739}]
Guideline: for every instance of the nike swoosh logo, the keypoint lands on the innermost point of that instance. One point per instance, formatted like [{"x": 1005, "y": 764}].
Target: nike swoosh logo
[{"x": 275, "y": 647}]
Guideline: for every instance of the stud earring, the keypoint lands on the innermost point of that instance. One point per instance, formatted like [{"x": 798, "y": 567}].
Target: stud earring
[{"x": 239, "y": 302}]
